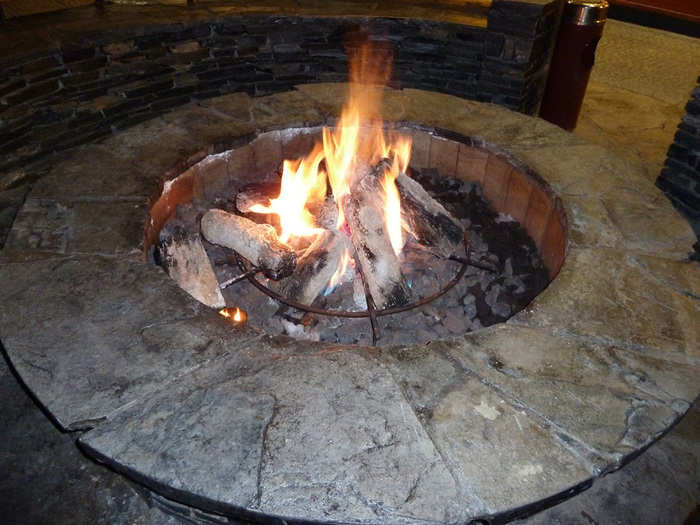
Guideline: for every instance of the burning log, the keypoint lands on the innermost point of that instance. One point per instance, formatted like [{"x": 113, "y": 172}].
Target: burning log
[
  {"x": 373, "y": 250},
  {"x": 180, "y": 252},
  {"x": 256, "y": 193},
  {"x": 431, "y": 224},
  {"x": 316, "y": 267},
  {"x": 256, "y": 242}
]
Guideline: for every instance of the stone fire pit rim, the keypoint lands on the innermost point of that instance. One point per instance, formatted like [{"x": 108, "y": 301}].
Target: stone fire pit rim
[{"x": 498, "y": 381}]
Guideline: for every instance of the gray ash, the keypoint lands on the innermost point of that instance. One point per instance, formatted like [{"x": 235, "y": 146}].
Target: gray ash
[{"x": 481, "y": 298}]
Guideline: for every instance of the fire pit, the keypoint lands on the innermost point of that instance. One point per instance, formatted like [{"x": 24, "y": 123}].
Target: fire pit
[{"x": 218, "y": 420}]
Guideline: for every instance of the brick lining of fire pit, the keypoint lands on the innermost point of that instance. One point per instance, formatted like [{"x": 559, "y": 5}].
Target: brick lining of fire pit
[{"x": 220, "y": 420}]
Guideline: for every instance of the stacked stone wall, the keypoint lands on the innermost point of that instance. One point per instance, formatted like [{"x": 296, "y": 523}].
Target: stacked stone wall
[
  {"x": 680, "y": 176},
  {"x": 85, "y": 88}
]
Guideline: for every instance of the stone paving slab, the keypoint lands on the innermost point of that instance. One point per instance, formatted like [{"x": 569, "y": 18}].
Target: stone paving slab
[
  {"x": 603, "y": 295},
  {"x": 104, "y": 332},
  {"x": 317, "y": 433},
  {"x": 596, "y": 368},
  {"x": 493, "y": 449},
  {"x": 593, "y": 395}
]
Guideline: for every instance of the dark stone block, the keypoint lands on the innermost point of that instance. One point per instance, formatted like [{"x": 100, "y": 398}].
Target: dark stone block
[
  {"x": 81, "y": 78},
  {"x": 128, "y": 106},
  {"x": 149, "y": 87},
  {"x": 11, "y": 86},
  {"x": 686, "y": 139},
  {"x": 682, "y": 168},
  {"x": 6, "y": 146},
  {"x": 132, "y": 119},
  {"x": 88, "y": 65},
  {"x": 693, "y": 107},
  {"x": 227, "y": 52},
  {"x": 42, "y": 64},
  {"x": 678, "y": 152},
  {"x": 164, "y": 102},
  {"x": 273, "y": 86},
  {"x": 241, "y": 73},
  {"x": 76, "y": 54},
  {"x": 33, "y": 92},
  {"x": 228, "y": 28},
  {"x": 679, "y": 193}
]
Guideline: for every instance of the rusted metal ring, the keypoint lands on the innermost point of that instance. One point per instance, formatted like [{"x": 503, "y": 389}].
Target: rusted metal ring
[{"x": 362, "y": 313}]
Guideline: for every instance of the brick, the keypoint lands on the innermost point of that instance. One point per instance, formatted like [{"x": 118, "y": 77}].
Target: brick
[{"x": 33, "y": 92}]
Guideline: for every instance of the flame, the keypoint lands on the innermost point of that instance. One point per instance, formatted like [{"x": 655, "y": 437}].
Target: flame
[
  {"x": 340, "y": 271},
  {"x": 356, "y": 144},
  {"x": 303, "y": 183},
  {"x": 236, "y": 315}
]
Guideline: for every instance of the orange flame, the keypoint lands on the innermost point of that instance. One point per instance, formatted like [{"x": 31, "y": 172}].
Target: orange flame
[
  {"x": 340, "y": 271},
  {"x": 357, "y": 143},
  {"x": 236, "y": 315},
  {"x": 302, "y": 184}
]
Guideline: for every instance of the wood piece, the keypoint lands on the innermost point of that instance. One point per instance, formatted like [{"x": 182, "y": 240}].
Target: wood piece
[
  {"x": 180, "y": 251},
  {"x": 431, "y": 224},
  {"x": 373, "y": 251},
  {"x": 256, "y": 242},
  {"x": 256, "y": 193},
  {"x": 316, "y": 267}
]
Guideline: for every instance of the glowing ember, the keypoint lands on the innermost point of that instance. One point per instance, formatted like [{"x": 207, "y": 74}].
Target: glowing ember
[{"x": 235, "y": 315}]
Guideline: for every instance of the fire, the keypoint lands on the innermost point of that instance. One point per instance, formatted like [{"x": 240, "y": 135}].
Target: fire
[
  {"x": 357, "y": 144},
  {"x": 236, "y": 315},
  {"x": 340, "y": 271},
  {"x": 303, "y": 183}
]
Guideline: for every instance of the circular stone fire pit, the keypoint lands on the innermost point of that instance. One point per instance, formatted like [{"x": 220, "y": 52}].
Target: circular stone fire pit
[
  {"x": 219, "y": 420},
  {"x": 512, "y": 191}
]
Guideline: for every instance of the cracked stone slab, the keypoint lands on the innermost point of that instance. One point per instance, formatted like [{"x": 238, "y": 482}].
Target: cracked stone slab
[
  {"x": 648, "y": 224},
  {"x": 206, "y": 126},
  {"x": 46, "y": 228},
  {"x": 291, "y": 108},
  {"x": 103, "y": 332},
  {"x": 604, "y": 295},
  {"x": 96, "y": 171},
  {"x": 297, "y": 432},
  {"x": 155, "y": 146},
  {"x": 589, "y": 392},
  {"x": 495, "y": 450}
]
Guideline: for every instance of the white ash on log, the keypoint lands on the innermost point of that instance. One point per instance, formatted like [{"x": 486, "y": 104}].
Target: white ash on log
[
  {"x": 258, "y": 243},
  {"x": 180, "y": 252},
  {"x": 315, "y": 267},
  {"x": 373, "y": 251},
  {"x": 431, "y": 224}
]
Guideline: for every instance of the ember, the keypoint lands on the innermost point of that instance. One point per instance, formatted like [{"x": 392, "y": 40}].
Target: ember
[{"x": 235, "y": 315}]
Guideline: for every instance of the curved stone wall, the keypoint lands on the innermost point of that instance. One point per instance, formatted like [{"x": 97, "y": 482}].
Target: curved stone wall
[{"x": 100, "y": 70}]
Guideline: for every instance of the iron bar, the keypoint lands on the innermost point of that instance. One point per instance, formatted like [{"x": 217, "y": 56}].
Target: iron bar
[{"x": 371, "y": 311}]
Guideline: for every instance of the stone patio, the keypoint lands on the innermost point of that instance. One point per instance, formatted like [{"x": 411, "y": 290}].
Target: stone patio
[{"x": 491, "y": 424}]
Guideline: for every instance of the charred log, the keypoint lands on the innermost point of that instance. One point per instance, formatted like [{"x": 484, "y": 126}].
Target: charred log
[
  {"x": 315, "y": 267},
  {"x": 258, "y": 243},
  {"x": 180, "y": 252},
  {"x": 373, "y": 251},
  {"x": 431, "y": 224}
]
